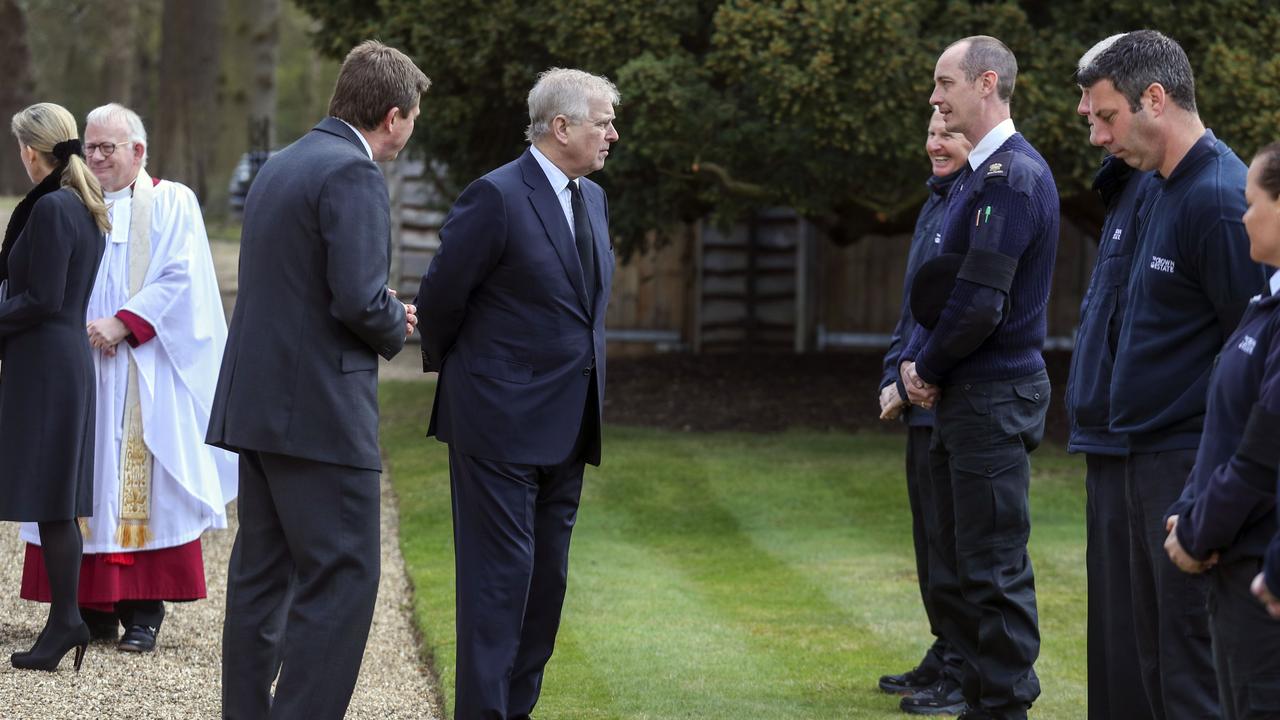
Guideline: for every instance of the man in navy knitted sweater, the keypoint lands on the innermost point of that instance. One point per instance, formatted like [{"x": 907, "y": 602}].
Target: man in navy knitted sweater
[
  {"x": 979, "y": 362},
  {"x": 1191, "y": 281}
]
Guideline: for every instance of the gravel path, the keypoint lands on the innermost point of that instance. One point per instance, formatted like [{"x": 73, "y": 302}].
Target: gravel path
[{"x": 182, "y": 678}]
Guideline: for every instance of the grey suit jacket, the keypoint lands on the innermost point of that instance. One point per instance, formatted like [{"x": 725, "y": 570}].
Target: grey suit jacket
[{"x": 300, "y": 373}]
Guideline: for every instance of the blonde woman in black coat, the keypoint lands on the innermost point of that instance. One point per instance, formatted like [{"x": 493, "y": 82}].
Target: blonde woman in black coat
[{"x": 48, "y": 263}]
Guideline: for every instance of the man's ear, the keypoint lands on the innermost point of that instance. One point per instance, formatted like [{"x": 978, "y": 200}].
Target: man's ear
[
  {"x": 560, "y": 128},
  {"x": 988, "y": 81},
  {"x": 1157, "y": 98},
  {"x": 388, "y": 122},
  {"x": 138, "y": 151}
]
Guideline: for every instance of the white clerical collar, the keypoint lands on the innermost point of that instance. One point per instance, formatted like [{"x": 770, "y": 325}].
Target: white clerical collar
[
  {"x": 124, "y": 192},
  {"x": 1275, "y": 282},
  {"x": 991, "y": 142},
  {"x": 559, "y": 181},
  {"x": 368, "y": 150}
]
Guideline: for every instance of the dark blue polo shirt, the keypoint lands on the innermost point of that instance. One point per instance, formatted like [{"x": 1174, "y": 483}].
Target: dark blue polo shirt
[
  {"x": 1191, "y": 280},
  {"x": 1228, "y": 505},
  {"x": 1088, "y": 396},
  {"x": 925, "y": 242}
]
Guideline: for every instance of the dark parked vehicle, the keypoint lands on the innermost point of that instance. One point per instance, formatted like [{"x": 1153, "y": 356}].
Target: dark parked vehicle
[{"x": 242, "y": 177}]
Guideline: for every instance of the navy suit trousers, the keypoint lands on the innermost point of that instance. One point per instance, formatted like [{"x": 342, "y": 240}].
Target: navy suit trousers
[{"x": 511, "y": 530}]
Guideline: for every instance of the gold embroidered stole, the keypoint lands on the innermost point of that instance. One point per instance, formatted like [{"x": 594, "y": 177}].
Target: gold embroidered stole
[{"x": 135, "y": 458}]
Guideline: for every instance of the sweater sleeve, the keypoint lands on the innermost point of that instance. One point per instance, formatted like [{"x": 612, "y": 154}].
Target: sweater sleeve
[
  {"x": 1004, "y": 223},
  {"x": 1238, "y": 491}
]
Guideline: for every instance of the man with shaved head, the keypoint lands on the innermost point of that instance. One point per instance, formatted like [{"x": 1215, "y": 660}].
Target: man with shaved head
[{"x": 976, "y": 358}]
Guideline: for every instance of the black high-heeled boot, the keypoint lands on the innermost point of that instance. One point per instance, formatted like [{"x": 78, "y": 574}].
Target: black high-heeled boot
[{"x": 52, "y": 646}]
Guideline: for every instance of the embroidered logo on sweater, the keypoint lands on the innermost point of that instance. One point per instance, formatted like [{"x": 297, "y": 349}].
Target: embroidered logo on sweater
[
  {"x": 1248, "y": 344},
  {"x": 1162, "y": 264}
]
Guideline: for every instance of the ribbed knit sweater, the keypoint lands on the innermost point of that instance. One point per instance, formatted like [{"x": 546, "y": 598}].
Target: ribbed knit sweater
[{"x": 1008, "y": 205}]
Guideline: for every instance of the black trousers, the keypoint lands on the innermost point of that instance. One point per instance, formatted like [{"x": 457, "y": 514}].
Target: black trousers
[
  {"x": 982, "y": 584},
  {"x": 1171, "y": 616},
  {"x": 301, "y": 587},
  {"x": 128, "y": 613},
  {"x": 942, "y": 656},
  {"x": 1115, "y": 678},
  {"x": 1246, "y": 644},
  {"x": 511, "y": 528}
]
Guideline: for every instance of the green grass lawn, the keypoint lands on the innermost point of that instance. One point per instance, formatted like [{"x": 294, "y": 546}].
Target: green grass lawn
[{"x": 737, "y": 576}]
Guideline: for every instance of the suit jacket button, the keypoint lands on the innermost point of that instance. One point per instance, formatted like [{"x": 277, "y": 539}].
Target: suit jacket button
[{"x": 586, "y": 372}]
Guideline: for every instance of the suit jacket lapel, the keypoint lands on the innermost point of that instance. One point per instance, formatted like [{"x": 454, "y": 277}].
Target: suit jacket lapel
[
  {"x": 604, "y": 265},
  {"x": 549, "y": 211}
]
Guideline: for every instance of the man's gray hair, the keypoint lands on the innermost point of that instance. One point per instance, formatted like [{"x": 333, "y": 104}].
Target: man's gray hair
[
  {"x": 117, "y": 114},
  {"x": 1092, "y": 53},
  {"x": 568, "y": 92},
  {"x": 988, "y": 54}
]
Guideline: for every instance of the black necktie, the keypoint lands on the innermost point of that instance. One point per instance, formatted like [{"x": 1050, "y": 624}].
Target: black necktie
[{"x": 584, "y": 238}]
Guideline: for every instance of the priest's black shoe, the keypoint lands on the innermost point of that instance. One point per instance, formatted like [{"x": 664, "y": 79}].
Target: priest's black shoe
[
  {"x": 102, "y": 625},
  {"x": 138, "y": 638},
  {"x": 944, "y": 698},
  {"x": 52, "y": 646},
  {"x": 912, "y": 681}
]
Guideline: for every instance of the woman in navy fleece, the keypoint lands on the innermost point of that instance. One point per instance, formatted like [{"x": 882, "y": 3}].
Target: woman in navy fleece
[{"x": 1226, "y": 516}]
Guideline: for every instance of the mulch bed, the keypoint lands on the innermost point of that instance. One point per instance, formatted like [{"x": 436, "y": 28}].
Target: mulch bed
[{"x": 766, "y": 392}]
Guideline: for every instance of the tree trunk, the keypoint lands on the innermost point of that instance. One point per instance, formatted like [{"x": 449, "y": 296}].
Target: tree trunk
[
  {"x": 16, "y": 91},
  {"x": 264, "y": 44},
  {"x": 120, "y": 59},
  {"x": 185, "y": 138}
]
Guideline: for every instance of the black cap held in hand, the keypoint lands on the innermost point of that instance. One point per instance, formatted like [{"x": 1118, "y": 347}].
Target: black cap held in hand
[{"x": 932, "y": 286}]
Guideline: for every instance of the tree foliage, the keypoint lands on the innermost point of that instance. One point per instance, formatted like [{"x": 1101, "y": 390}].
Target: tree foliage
[{"x": 730, "y": 105}]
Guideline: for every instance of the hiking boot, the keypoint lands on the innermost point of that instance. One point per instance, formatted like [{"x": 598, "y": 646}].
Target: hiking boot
[
  {"x": 910, "y": 682},
  {"x": 944, "y": 698}
]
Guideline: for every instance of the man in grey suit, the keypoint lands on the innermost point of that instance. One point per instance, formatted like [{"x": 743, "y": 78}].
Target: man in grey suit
[
  {"x": 513, "y": 319},
  {"x": 297, "y": 398}
]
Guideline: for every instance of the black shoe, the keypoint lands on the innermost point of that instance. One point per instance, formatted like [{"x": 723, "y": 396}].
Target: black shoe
[
  {"x": 976, "y": 714},
  {"x": 51, "y": 647},
  {"x": 138, "y": 638},
  {"x": 102, "y": 625},
  {"x": 910, "y": 682},
  {"x": 944, "y": 698}
]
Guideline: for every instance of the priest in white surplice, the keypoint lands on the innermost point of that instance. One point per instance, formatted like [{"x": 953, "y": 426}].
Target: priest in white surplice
[{"x": 155, "y": 320}]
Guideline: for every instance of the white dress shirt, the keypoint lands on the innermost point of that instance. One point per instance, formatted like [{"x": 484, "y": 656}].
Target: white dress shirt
[
  {"x": 991, "y": 142},
  {"x": 559, "y": 184}
]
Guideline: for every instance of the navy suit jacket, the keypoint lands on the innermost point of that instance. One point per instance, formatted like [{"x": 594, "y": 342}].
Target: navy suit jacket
[
  {"x": 300, "y": 373},
  {"x": 505, "y": 318}
]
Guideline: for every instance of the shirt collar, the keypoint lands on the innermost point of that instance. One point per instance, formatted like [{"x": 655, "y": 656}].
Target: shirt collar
[
  {"x": 1275, "y": 282},
  {"x": 360, "y": 136},
  {"x": 559, "y": 181},
  {"x": 991, "y": 142}
]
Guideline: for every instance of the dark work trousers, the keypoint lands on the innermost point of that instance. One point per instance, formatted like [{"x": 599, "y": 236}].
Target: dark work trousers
[
  {"x": 982, "y": 584},
  {"x": 1171, "y": 616},
  {"x": 941, "y": 657},
  {"x": 1246, "y": 644},
  {"x": 1115, "y": 678},
  {"x": 300, "y": 589},
  {"x": 511, "y": 528}
]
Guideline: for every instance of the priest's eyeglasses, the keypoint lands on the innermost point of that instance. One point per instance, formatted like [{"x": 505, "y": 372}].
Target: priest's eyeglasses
[{"x": 107, "y": 149}]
